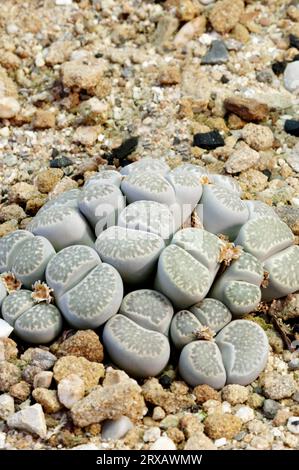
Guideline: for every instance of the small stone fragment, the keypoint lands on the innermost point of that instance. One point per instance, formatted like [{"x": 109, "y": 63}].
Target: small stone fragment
[
  {"x": 219, "y": 425},
  {"x": 208, "y": 140},
  {"x": 119, "y": 396},
  {"x": 43, "y": 119},
  {"x": 242, "y": 158},
  {"x": 199, "y": 442},
  {"x": 42, "y": 379},
  {"x": 86, "y": 135},
  {"x": 151, "y": 434},
  {"x": 270, "y": 408},
  {"x": 246, "y": 108},
  {"x": 47, "y": 179},
  {"x": 7, "y": 406},
  {"x": 31, "y": 419},
  {"x": 217, "y": 54},
  {"x": 114, "y": 429},
  {"x": 9, "y": 375},
  {"x": 258, "y": 137},
  {"x": 245, "y": 413},
  {"x": 13, "y": 211},
  {"x": 235, "y": 394},
  {"x": 277, "y": 386},
  {"x": 20, "y": 390},
  {"x": 83, "y": 343},
  {"x": 21, "y": 192},
  {"x": 190, "y": 30},
  {"x": 205, "y": 392},
  {"x": 291, "y": 126},
  {"x": 163, "y": 443},
  {"x": 83, "y": 74},
  {"x": 291, "y": 76},
  {"x": 293, "y": 424},
  {"x": 70, "y": 390},
  {"x": 8, "y": 349},
  {"x": 225, "y": 15},
  {"x": 47, "y": 399},
  {"x": 9, "y": 107},
  {"x": 39, "y": 357},
  {"x": 90, "y": 372}
]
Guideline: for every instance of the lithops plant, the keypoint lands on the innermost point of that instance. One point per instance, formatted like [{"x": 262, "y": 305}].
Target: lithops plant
[
  {"x": 265, "y": 236},
  {"x": 201, "y": 363},
  {"x": 26, "y": 256},
  {"x": 146, "y": 164},
  {"x": 149, "y": 308},
  {"x": 283, "y": 273},
  {"x": 3, "y": 292},
  {"x": 134, "y": 253},
  {"x": 34, "y": 323},
  {"x": 223, "y": 210},
  {"x": 138, "y": 350},
  {"x": 244, "y": 347},
  {"x": 62, "y": 227},
  {"x": 87, "y": 291},
  {"x": 209, "y": 274},
  {"x": 238, "y": 355},
  {"x": 100, "y": 204},
  {"x": 239, "y": 286}
]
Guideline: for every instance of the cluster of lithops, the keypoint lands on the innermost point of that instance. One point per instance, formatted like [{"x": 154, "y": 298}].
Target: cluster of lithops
[{"x": 192, "y": 255}]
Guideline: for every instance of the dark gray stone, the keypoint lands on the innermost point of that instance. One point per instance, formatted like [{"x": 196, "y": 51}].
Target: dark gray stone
[
  {"x": 217, "y": 54},
  {"x": 270, "y": 408}
]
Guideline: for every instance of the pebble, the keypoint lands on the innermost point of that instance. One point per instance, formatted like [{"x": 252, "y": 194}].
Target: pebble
[
  {"x": 294, "y": 41},
  {"x": 188, "y": 31},
  {"x": 43, "y": 119},
  {"x": 247, "y": 109},
  {"x": 5, "y": 329},
  {"x": 291, "y": 76},
  {"x": 83, "y": 343},
  {"x": 86, "y": 135},
  {"x": 31, "y": 419},
  {"x": 242, "y": 158},
  {"x": 199, "y": 442},
  {"x": 90, "y": 372},
  {"x": 220, "y": 442},
  {"x": 270, "y": 408},
  {"x": 208, "y": 140},
  {"x": 294, "y": 364},
  {"x": 118, "y": 396},
  {"x": 12, "y": 211},
  {"x": 47, "y": 399},
  {"x": 225, "y": 15},
  {"x": 218, "y": 425},
  {"x": 158, "y": 413},
  {"x": 70, "y": 390},
  {"x": 255, "y": 400},
  {"x": 7, "y": 406},
  {"x": 152, "y": 434},
  {"x": 9, "y": 107},
  {"x": 279, "y": 67},
  {"x": 277, "y": 386},
  {"x": 217, "y": 54},
  {"x": 114, "y": 429},
  {"x": 205, "y": 392},
  {"x": 43, "y": 379},
  {"x": 258, "y": 137},
  {"x": 21, "y": 192},
  {"x": 245, "y": 413},
  {"x": 291, "y": 126},
  {"x": 20, "y": 391},
  {"x": 60, "y": 162},
  {"x": 9, "y": 375},
  {"x": 163, "y": 443},
  {"x": 293, "y": 424},
  {"x": 235, "y": 394},
  {"x": 47, "y": 179},
  {"x": 83, "y": 74}
]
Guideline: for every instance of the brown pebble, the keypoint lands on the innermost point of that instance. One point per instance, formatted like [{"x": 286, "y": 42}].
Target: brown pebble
[{"x": 247, "y": 108}]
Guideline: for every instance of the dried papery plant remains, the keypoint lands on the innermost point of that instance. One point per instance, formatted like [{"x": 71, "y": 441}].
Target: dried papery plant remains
[
  {"x": 10, "y": 282},
  {"x": 42, "y": 292}
]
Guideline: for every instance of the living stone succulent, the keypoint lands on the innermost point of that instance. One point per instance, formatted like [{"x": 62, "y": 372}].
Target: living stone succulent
[
  {"x": 33, "y": 323},
  {"x": 133, "y": 227}
]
